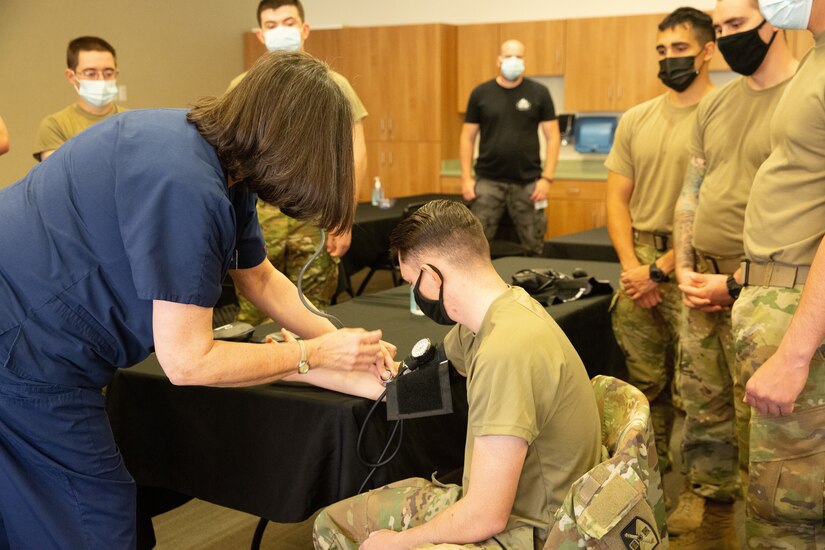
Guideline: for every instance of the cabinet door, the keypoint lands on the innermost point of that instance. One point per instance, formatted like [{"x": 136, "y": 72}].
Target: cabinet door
[
  {"x": 413, "y": 168},
  {"x": 477, "y": 52},
  {"x": 590, "y": 59},
  {"x": 543, "y": 43},
  {"x": 413, "y": 61},
  {"x": 575, "y": 206},
  {"x": 363, "y": 62},
  {"x": 325, "y": 44},
  {"x": 252, "y": 50},
  {"x": 637, "y": 63}
]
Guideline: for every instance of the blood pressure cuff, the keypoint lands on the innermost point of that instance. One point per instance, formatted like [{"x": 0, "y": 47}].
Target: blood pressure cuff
[
  {"x": 422, "y": 392},
  {"x": 550, "y": 287}
]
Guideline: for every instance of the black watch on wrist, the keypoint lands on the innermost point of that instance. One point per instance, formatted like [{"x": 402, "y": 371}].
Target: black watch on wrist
[
  {"x": 657, "y": 275},
  {"x": 734, "y": 288}
]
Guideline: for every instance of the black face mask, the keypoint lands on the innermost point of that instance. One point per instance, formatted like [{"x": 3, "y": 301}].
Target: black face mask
[
  {"x": 745, "y": 51},
  {"x": 678, "y": 72},
  {"x": 434, "y": 309}
]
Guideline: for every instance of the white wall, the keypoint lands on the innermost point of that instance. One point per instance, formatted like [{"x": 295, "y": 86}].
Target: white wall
[{"x": 395, "y": 12}]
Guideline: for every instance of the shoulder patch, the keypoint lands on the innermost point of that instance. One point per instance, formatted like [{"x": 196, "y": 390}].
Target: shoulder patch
[{"x": 639, "y": 535}]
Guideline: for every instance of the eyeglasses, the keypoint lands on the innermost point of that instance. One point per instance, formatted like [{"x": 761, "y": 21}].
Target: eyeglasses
[{"x": 94, "y": 74}]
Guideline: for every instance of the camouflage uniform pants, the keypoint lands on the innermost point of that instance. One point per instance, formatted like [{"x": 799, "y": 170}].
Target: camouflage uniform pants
[
  {"x": 399, "y": 506},
  {"x": 783, "y": 506},
  {"x": 289, "y": 244},
  {"x": 714, "y": 446},
  {"x": 492, "y": 197},
  {"x": 648, "y": 338}
]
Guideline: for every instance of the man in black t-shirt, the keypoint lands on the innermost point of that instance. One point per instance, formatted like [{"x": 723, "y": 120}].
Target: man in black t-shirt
[{"x": 508, "y": 111}]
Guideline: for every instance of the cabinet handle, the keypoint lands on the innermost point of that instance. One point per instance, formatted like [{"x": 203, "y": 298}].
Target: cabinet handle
[
  {"x": 381, "y": 124},
  {"x": 558, "y": 57},
  {"x": 389, "y": 125},
  {"x": 390, "y": 156},
  {"x": 382, "y": 158},
  {"x": 610, "y": 92},
  {"x": 619, "y": 92},
  {"x": 574, "y": 191}
]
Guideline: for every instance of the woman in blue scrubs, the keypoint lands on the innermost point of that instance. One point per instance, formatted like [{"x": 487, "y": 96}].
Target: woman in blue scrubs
[{"x": 116, "y": 246}]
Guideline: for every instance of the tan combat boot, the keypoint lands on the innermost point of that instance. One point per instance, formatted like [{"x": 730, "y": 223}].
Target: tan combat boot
[
  {"x": 688, "y": 514},
  {"x": 717, "y": 531}
]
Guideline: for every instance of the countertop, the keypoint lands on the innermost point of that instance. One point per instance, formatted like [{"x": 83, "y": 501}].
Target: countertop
[{"x": 565, "y": 170}]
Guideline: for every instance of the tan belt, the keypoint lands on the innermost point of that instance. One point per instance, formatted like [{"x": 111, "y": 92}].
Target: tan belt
[
  {"x": 774, "y": 274},
  {"x": 659, "y": 241},
  {"x": 717, "y": 264}
]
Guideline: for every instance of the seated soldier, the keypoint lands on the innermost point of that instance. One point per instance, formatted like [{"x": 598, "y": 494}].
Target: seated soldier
[{"x": 533, "y": 425}]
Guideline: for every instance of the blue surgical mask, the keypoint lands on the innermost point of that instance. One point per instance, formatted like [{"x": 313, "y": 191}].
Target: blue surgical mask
[
  {"x": 512, "y": 67},
  {"x": 283, "y": 38},
  {"x": 787, "y": 14},
  {"x": 97, "y": 93},
  {"x": 434, "y": 309}
]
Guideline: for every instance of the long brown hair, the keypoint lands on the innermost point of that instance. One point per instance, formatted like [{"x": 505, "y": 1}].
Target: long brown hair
[{"x": 285, "y": 131}]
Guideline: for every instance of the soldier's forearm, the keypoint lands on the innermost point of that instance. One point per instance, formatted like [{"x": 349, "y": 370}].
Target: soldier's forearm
[{"x": 685, "y": 214}]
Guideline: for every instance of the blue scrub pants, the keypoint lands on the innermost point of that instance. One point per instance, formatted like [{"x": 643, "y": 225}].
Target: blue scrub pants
[{"x": 63, "y": 483}]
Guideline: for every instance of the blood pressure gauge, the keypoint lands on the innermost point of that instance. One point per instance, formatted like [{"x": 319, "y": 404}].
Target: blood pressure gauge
[{"x": 423, "y": 352}]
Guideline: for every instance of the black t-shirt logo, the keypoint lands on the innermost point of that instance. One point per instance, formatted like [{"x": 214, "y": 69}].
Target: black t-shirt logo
[
  {"x": 639, "y": 535},
  {"x": 523, "y": 104}
]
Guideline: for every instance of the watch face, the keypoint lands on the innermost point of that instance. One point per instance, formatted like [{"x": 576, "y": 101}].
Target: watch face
[{"x": 421, "y": 347}]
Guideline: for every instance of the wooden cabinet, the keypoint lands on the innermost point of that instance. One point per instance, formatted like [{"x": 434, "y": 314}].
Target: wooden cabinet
[
  {"x": 478, "y": 50},
  {"x": 543, "y": 44},
  {"x": 611, "y": 63},
  {"x": 325, "y": 44},
  {"x": 451, "y": 185},
  {"x": 406, "y": 78},
  {"x": 405, "y": 168},
  {"x": 408, "y": 75},
  {"x": 575, "y": 205}
]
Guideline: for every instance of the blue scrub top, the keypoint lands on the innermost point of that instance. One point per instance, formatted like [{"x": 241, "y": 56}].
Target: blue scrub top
[{"x": 134, "y": 209}]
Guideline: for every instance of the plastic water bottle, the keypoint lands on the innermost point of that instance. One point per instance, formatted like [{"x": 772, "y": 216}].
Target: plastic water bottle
[
  {"x": 377, "y": 192},
  {"x": 414, "y": 309}
]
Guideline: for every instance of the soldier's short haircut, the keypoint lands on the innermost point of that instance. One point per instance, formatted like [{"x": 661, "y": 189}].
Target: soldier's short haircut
[
  {"x": 86, "y": 44},
  {"x": 275, "y": 4},
  {"x": 699, "y": 22},
  {"x": 444, "y": 227}
]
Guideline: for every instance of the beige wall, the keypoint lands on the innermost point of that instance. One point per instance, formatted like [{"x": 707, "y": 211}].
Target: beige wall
[{"x": 169, "y": 52}]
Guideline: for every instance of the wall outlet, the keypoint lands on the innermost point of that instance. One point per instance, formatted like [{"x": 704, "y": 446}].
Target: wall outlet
[{"x": 121, "y": 93}]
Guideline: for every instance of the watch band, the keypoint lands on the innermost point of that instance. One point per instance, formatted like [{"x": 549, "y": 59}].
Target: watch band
[
  {"x": 657, "y": 275},
  {"x": 303, "y": 364},
  {"x": 734, "y": 288}
]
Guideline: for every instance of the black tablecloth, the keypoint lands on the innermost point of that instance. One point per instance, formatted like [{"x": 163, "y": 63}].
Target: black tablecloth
[
  {"x": 282, "y": 451},
  {"x": 593, "y": 245}
]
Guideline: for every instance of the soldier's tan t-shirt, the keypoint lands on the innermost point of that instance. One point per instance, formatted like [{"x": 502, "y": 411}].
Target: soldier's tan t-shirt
[
  {"x": 356, "y": 105},
  {"x": 56, "y": 129},
  {"x": 785, "y": 216},
  {"x": 525, "y": 379},
  {"x": 732, "y": 134},
  {"x": 650, "y": 148}
]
